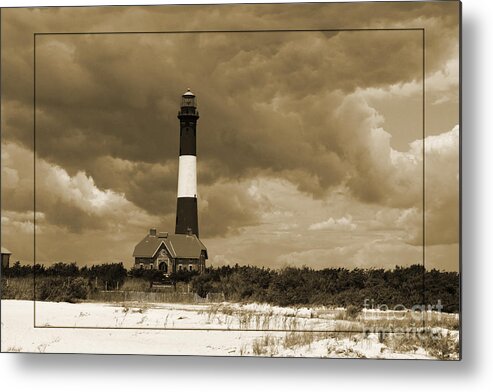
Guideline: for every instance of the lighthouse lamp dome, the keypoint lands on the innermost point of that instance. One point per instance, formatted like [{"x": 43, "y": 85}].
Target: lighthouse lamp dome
[
  {"x": 188, "y": 105},
  {"x": 188, "y": 99}
]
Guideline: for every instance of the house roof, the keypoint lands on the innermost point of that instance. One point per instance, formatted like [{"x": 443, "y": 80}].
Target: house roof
[
  {"x": 5, "y": 251},
  {"x": 178, "y": 245}
]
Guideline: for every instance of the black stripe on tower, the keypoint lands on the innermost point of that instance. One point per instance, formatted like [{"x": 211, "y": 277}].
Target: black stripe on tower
[
  {"x": 188, "y": 137},
  {"x": 186, "y": 216}
]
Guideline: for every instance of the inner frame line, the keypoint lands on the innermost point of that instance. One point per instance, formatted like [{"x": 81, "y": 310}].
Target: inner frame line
[{"x": 220, "y": 31}]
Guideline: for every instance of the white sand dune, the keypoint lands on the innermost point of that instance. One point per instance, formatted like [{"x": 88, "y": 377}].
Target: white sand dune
[{"x": 152, "y": 329}]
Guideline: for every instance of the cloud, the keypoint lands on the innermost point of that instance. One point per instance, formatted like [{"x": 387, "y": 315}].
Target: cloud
[
  {"x": 442, "y": 182},
  {"x": 73, "y": 202},
  {"x": 294, "y": 127},
  {"x": 150, "y": 186},
  {"x": 22, "y": 222},
  {"x": 226, "y": 209},
  {"x": 344, "y": 224},
  {"x": 115, "y": 97}
]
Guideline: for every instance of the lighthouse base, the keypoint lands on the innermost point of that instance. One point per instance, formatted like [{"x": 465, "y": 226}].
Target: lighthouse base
[{"x": 186, "y": 216}]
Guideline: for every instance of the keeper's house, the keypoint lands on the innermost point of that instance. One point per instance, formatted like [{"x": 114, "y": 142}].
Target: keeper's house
[{"x": 170, "y": 252}]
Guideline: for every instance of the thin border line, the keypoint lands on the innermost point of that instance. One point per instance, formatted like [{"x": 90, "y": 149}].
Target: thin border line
[
  {"x": 34, "y": 181},
  {"x": 460, "y": 180},
  {"x": 358, "y": 331},
  {"x": 215, "y": 32},
  {"x": 227, "y": 31},
  {"x": 423, "y": 300},
  {"x": 226, "y": 4},
  {"x": 1, "y": 269}
]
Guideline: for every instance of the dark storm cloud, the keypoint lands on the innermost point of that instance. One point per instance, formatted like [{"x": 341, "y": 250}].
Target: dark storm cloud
[
  {"x": 271, "y": 103},
  {"x": 118, "y": 97},
  {"x": 226, "y": 209},
  {"x": 149, "y": 186}
]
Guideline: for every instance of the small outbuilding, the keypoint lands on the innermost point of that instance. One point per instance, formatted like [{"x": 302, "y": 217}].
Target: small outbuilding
[
  {"x": 5, "y": 258},
  {"x": 170, "y": 252}
]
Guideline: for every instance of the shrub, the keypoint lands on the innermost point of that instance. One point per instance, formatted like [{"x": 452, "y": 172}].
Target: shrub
[
  {"x": 202, "y": 284},
  {"x": 442, "y": 346},
  {"x": 352, "y": 312},
  {"x": 183, "y": 276},
  {"x": 150, "y": 275},
  {"x": 62, "y": 289},
  {"x": 110, "y": 276},
  {"x": 63, "y": 269},
  {"x": 17, "y": 288},
  {"x": 77, "y": 289}
]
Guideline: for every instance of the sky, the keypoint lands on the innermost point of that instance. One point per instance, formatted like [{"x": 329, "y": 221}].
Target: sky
[{"x": 309, "y": 146}]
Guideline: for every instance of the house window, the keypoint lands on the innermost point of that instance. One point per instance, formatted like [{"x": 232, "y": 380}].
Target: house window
[
  {"x": 151, "y": 266},
  {"x": 180, "y": 267}
]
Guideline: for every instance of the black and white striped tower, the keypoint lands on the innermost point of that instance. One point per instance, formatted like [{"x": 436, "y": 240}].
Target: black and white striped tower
[{"x": 186, "y": 209}]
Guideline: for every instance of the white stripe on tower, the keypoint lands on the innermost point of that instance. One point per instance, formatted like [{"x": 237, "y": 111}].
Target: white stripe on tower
[{"x": 187, "y": 176}]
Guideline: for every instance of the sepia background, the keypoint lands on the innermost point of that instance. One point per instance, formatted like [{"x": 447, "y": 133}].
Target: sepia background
[{"x": 309, "y": 143}]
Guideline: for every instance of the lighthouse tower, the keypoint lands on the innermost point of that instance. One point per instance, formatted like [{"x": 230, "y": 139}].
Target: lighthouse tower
[
  {"x": 186, "y": 209},
  {"x": 182, "y": 251}
]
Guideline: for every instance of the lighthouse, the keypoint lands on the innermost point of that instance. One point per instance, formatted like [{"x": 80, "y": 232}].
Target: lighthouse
[
  {"x": 182, "y": 251},
  {"x": 186, "y": 208}
]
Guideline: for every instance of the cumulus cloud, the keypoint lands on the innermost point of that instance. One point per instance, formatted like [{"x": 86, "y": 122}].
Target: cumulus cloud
[
  {"x": 442, "y": 189},
  {"x": 22, "y": 222},
  {"x": 73, "y": 202},
  {"x": 344, "y": 223},
  {"x": 441, "y": 181}
]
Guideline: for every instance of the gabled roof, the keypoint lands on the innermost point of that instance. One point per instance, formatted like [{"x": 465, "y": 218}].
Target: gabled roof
[
  {"x": 5, "y": 251},
  {"x": 178, "y": 245}
]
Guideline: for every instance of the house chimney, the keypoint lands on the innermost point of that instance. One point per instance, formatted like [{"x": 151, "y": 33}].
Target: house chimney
[{"x": 153, "y": 232}]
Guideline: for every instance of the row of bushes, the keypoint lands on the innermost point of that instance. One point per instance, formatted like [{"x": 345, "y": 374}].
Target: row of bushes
[
  {"x": 333, "y": 286},
  {"x": 70, "y": 289},
  {"x": 288, "y": 286},
  {"x": 52, "y": 288},
  {"x": 104, "y": 276},
  {"x": 110, "y": 276}
]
